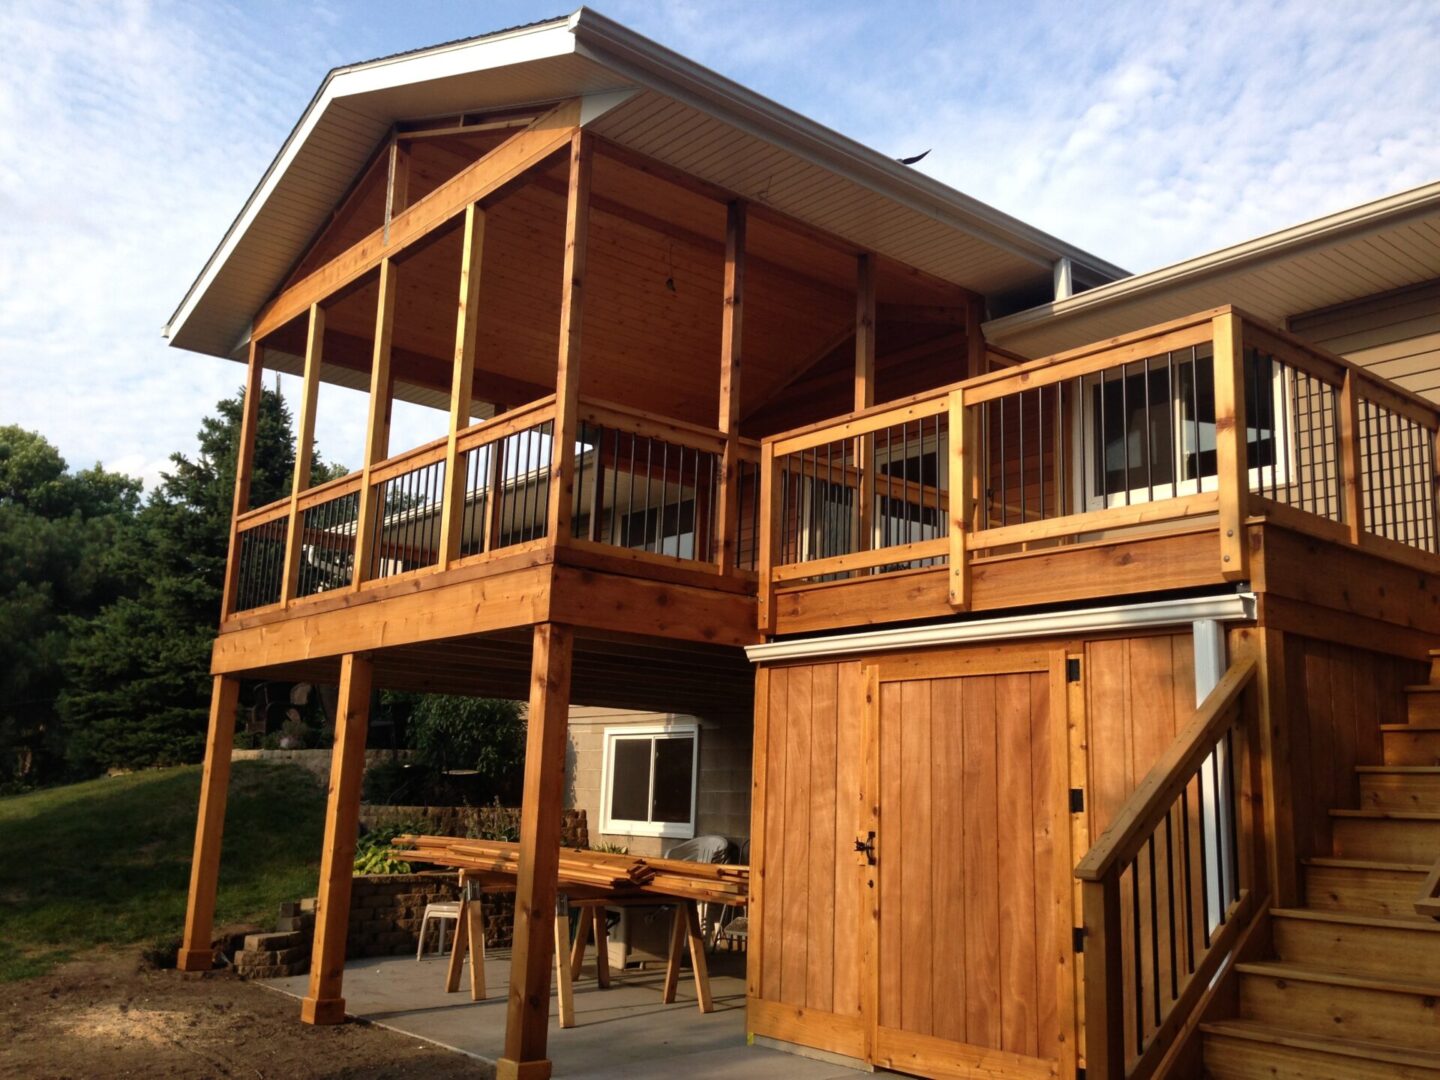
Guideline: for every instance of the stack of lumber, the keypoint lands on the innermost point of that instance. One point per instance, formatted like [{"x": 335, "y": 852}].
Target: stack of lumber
[{"x": 619, "y": 875}]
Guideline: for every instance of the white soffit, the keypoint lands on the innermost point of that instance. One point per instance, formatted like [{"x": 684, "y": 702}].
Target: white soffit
[
  {"x": 1230, "y": 607},
  {"x": 1369, "y": 249},
  {"x": 682, "y": 114}
]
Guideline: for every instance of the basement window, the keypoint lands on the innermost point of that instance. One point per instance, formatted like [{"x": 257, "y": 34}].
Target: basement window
[{"x": 648, "y": 780}]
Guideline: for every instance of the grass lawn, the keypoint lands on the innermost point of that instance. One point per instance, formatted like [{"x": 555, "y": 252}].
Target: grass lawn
[{"x": 107, "y": 862}]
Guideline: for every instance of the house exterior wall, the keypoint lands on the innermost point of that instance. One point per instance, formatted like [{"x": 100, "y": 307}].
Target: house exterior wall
[
  {"x": 1395, "y": 335},
  {"x": 722, "y": 797}
]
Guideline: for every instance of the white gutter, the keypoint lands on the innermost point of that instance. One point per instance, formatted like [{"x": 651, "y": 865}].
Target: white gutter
[
  {"x": 1356, "y": 222},
  {"x": 1230, "y": 607}
]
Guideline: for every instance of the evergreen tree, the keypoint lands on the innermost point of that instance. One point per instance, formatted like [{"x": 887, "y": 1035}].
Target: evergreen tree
[
  {"x": 59, "y": 534},
  {"x": 139, "y": 689}
]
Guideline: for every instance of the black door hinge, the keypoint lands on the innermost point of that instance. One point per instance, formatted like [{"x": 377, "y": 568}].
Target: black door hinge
[
  {"x": 1077, "y": 800},
  {"x": 1078, "y": 939},
  {"x": 1072, "y": 669}
]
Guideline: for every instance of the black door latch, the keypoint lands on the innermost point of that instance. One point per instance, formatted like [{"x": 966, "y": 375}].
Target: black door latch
[{"x": 867, "y": 846}]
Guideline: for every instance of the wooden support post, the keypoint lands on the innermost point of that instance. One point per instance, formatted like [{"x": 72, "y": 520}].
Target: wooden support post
[
  {"x": 195, "y": 954},
  {"x": 962, "y": 461},
  {"x": 244, "y": 467},
  {"x": 304, "y": 450},
  {"x": 462, "y": 384},
  {"x": 397, "y": 183},
  {"x": 602, "y": 947},
  {"x": 1104, "y": 982},
  {"x": 323, "y": 1003},
  {"x": 528, "y": 1008},
  {"x": 699, "y": 966},
  {"x": 975, "y": 363},
  {"x": 731, "y": 324},
  {"x": 458, "y": 948},
  {"x": 564, "y": 981},
  {"x": 1231, "y": 452},
  {"x": 377, "y": 423},
  {"x": 864, "y": 450},
  {"x": 673, "y": 957},
  {"x": 567, "y": 377},
  {"x": 1351, "y": 478}
]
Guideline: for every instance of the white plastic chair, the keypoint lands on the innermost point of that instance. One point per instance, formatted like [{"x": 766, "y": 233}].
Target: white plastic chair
[{"x": 441, "y": 912}]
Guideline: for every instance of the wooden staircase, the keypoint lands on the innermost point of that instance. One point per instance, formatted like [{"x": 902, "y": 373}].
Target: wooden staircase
[{"x": 1354, "y": 989}]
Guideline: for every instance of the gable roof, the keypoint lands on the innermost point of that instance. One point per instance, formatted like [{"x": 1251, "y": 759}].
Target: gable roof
[{"x": 638, "y": 94}]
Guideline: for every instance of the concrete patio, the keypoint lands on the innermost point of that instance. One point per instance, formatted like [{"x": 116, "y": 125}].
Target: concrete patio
[{"x": 623, "y": 1031}]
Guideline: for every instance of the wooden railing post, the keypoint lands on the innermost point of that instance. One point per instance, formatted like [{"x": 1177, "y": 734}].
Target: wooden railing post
[
  {"x": 962, "y": 463},
  {"x": 728, "y": 512},
  {"x": 865, "y": 393},
  {"x": 304, "y": 451},
  {"x": 1351, "y": 479},
  {"x": 1231, "y": 454},
  {"x": 1272, "y": 738},
  {"x": 462, "y": 384},
  {"x": 244, "y": 466},
  {"x": 1104, "y": 980},
  {"x": 560, "y": 512},
  {"x": 770, "y": 526},
  {"x": 377, "y": 425}
]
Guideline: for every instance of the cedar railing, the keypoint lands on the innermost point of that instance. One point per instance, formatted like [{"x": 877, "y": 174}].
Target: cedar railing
[
  {"x": 1201, "y": 423},
  {"x": 646, "y": 490},
  {"x": 1170, "y": 888}
]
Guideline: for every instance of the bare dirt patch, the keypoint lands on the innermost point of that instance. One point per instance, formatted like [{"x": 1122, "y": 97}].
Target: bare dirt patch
[{"x": 109, "y": 1016}]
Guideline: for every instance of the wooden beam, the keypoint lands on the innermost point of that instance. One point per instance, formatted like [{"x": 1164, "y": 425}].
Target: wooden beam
[
  {"x": 397, "y": 183},
  {"x": 488, "y": 178},
  {"x": 323, "y": 1003},
  {"x": 462, "y": 386},
  {"x": 1232, "y": 471},
  {"x": 975, "y": 354},
  {"x": 567, "y": 375},
  {"x": 244, "y": 468},
  {"x": 865, "y": 390},
  {"x": 528, "y": 1008},
  {"x": 195, "y": 953},
  {"x": 377, "y": 421},
  {"x": 731, "y": 353},
  {"x": 304, "y": 449}
]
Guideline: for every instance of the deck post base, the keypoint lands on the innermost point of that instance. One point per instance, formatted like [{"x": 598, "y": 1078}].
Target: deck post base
[
  {"x": 322, "y": 1011},
  {"x": 194, "y": 960},
  {"x": 506, "y": 1069}
]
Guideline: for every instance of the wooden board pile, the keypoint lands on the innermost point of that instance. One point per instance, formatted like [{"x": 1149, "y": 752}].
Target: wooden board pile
[{"x": 623, "y": 876}]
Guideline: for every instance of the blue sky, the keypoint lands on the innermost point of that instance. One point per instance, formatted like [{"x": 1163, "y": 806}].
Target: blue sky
[{"x": 131, "y": 132}]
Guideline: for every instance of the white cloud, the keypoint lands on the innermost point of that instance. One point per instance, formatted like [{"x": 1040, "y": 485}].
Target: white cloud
[{"x": 131, "y": 133}]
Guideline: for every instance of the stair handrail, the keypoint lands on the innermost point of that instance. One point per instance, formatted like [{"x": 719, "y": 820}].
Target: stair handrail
[{"x": 1130, "y": 1031}]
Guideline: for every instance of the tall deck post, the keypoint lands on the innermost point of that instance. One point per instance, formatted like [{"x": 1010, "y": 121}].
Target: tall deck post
[
  {"x": 244, "y": 467},
  {"x": 304, "y": 450},
  {"x": 728, "y": 515},
  {"x": 462, "y": 385},
  {"x": 975, "y": 362},
  {"x": 209, "y": 825},
  {"x": 377, "y": 424},
  {"x": 865, "y": 391},
  {"x": 962, "y": 463},
  {"x": 561, "y": 510},
  {"x": 1352, "y": 495},
  {"x": 1232, "y": 468},
  {"x": 323, "y": 1003},
  {"x": 528, "y": 1010}
]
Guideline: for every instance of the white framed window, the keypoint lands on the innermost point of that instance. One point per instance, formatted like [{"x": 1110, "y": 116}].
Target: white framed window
[
  {"x": 648, "y": 779},
  {"x": 1149, "y": 433}
]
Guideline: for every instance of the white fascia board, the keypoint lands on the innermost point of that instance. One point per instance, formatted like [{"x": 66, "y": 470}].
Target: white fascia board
[
  {"x": 1351, "y": 224},
  {"x": 625, "y": 52},
  {"x": 1228, "y": 607},
  {"x": 525, "y": 44}
]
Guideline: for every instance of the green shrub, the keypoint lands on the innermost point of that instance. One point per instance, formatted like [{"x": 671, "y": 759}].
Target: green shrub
[{"x": 375, "y": 850}]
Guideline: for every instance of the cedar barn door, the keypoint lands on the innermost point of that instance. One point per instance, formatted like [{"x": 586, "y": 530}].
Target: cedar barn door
[{"x": 971, "y": 970}]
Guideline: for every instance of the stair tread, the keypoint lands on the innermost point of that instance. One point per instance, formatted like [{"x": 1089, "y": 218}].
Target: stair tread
[
  {"x": 1257, "y": 1031},
  {"x": 1384, "y": 815},
  {"x": 1339, "y": 863},
  {"x": 1349, "y": 918},
  {"x": 1401, "y": 770},
  {"x": 1306, "y": 973}
]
